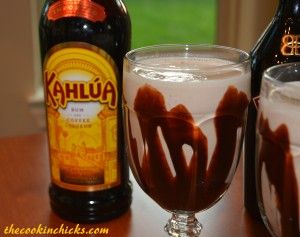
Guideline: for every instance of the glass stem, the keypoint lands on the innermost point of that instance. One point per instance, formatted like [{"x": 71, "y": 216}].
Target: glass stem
[{"x": 183, "y": 225}]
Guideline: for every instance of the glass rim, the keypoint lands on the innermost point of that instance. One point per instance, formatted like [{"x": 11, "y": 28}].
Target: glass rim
[
  {"x": 267, "y": 75},
  {"x": 244, "y": 56}
]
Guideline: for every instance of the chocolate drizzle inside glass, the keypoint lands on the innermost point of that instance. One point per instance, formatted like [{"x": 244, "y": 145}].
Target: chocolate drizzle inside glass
[
  {"x": 197, "y": 184},
  {"x": 276, "y": 158}
]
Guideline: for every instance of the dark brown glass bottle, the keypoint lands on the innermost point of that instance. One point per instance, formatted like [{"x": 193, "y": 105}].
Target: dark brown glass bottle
[
  {"x": 83, "y": 43},
  {"x": 280, "y": 43}
]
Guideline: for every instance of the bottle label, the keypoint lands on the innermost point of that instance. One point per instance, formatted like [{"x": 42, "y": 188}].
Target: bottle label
[
  {"x": 290, "y": 45},
  {"x": 81, "y": 97},
  {"x": 76, "y": 8}
]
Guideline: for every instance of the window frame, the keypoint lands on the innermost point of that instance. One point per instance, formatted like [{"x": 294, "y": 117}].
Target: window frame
[{"x": 246, "y": 21}]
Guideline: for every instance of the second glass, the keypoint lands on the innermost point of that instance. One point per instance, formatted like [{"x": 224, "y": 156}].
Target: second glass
[
  {"x": 278, "y": 150},
  {"x": 185, "y": 112}
]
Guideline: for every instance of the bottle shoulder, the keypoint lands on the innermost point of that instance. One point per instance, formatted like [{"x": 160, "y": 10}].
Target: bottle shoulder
[
  {"x": 109, "y": 30},
  {"x": 84, "y": 16},
  {"x": 281, "y": 35},
  {"x": 270, "y": 36}
]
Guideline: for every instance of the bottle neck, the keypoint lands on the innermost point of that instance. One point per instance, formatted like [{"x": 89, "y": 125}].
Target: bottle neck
[{"x": 289, "y": 8}]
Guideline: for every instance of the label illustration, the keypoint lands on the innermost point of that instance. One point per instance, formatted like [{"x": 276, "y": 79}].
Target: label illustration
[
  {"x": 290, "y": 45},
  {"x": 81, "y": 98}
]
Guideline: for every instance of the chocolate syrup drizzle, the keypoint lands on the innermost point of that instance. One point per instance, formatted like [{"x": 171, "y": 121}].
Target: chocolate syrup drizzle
[
  {"x": 275, "y": 154},
  {"x": 196, "y": 185}
]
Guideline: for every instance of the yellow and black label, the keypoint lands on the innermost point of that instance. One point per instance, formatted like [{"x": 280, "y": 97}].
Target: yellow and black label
[{"x": 80, "y": 82}]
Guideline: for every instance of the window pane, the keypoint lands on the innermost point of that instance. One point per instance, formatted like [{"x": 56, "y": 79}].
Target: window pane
[{"x": 172, "y": 21}]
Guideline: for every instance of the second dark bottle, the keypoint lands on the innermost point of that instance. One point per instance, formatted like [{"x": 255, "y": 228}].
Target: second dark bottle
[{"x": 280, "y": 43}]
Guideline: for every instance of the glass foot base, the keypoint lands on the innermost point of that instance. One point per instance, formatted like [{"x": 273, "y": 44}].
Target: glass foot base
[{"x": 183, "y": 225}]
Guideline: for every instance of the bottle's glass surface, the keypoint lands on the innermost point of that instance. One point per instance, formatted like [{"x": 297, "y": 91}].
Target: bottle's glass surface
[
  {"x": 185, "y": 110},
  {"x": 278, "y": 150}
]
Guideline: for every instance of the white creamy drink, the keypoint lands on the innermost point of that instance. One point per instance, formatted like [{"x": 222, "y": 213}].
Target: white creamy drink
[
  {"x": 278, "y": 123},
  {"x": 190, "y": 81},
  {"x": 199, "y": 88}
]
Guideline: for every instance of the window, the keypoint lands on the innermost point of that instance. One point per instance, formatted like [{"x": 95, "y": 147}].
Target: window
[{"x": 172, "y": 21}]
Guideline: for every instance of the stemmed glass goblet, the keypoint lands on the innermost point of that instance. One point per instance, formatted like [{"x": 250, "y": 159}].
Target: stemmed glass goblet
[{"x": 184, "y": 109}]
